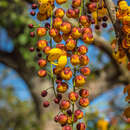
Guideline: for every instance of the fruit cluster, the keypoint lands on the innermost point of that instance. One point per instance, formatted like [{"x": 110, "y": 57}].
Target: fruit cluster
[
  {"x": 66, "y": 55},
  {"x": 123, "y": 15}
]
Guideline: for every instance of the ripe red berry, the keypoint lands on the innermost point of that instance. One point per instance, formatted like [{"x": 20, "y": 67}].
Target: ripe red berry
[
  {"x": 99, "y": 19},
  {"x": 46, "y": 104},
  {"x": 32, "y": 34},
  {"x": 44, "y": 93},
  {"x": 47, "y": 25},
  {"x": 31, "y": 49},
  {"x": 30, "y": 26},
  {"x": 105, "y": 18},
  {"x": 59, "y": 96},
  {"x": 69, "y": 112},
  {"x": 32, "y": 13},
  {"x": 56, "y": 118},
  {"x": 56, "y": 100},
  {"x": 97, "y": 27},
  {"x": 104, "y": 25},
  {"x": 34, "y": 6}
]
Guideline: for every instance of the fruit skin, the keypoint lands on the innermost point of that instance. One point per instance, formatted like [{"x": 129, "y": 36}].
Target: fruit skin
[
  {"x": 65, "y": 104},
  {"x": 42, "y": 62},
  {"x": 81, "y": 126},
  {"x": 34, "y": 6},
  {"x": 85, "y": 71},
  {"x": 92, "y": 6},
  {"x": 76, "y": 32},
  {"x": 57, "y": 23},
  {"x": 66, "y": 73},
  {"x": 53, "y": 32},
  {"x": 88, "y": 38},
  {"x": 56, "y": 118},
  {"x": 82, "y": 50},
  {"x": 32, "y": 34},
  {"x": 62, "y": 119},
  {"x": 41, "y": 32},
  {"x": 70, "y": 119},
  {"x": 61, "y": 46},
  {"x": 58, "y": 38},
  {"x": 84, "y": 60},
  {"x": 67, "y": 127},
  {"x": 73, "y": 96},
  {"x": 70, "y": 44},
  {"x": 83, "y": 102},
  {"x": 56, "y": 100},
  {"x": 65, "y": 27},
  {"x": 62, "y": 87},
  {"x": 30, "y": 26},
  {"x": 42, "y": 73},
  {"x": 32, "y": 13},
  {"x": 46, "y": 104},
  {"x": 70, "y": 13},
  {"x": 46, "y": 49},
  {"x": 59, "y": 13},
  {"x": 84, "y": 93},
  {"x": 61, "y": 1},
  {"x": 76, "y": 3},
  {"x": 44, "y": 93},
  {"x": 74, "y": 59},
  {"x": 78, "y": 114},
  {"x": 79, "y": 80},
  {"x": 31, "y": 49},
  {"x": 41, "y": 44},
  {"x": 84, "y": 21}
]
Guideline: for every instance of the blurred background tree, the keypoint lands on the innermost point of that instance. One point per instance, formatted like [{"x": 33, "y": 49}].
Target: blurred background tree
[{"x": 14, "y": 54}]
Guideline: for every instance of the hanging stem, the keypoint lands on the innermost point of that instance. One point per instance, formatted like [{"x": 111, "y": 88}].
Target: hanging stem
[{"x": 52, "y": 76}]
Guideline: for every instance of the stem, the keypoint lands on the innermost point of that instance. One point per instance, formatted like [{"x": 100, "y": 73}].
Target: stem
[{"x": 53, "y": 81}]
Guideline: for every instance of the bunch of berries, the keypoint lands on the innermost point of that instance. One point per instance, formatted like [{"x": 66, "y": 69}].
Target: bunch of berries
[
  {"x": 123, "y": 15},
  {"x": 65, "y": 52}
]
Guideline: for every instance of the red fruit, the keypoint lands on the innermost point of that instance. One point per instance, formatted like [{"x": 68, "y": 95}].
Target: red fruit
[
  {"x": 32, "y": 13},
  {"x": 32, "y": 34},
  {"x": 70, "y": 44},
  {"x": 53, "y": 32},
  {"x": 42, "y": 62},
  {"x": 30, "y": 26},
  {"x": 73, "y": 96},
  {"x": 84, "y": 60},
  {"x": 76, "y": 32},
  {"x": 92, "y": 21},
  {"x": 62, "y": 87},
  {"x": 46, "y": 104},
  {"x": 78, "y": 114},
  {"x": 41, "y": 31},
  {"x": 59, "y": 96},
  {"x": 84, "y": 102},
  {"x": 69, "y": 112},
  {"x": 67, "y": 127},
  {"x": 44, "y": 93},
  {"x": 70, "y": 13},
  {"x": 81, "y": 126},
  {"x": 57, "y": 23},
  {"x": 41, "y": 44},
  {"x": 84, "y": 20},
  {"x": 105, "y": 18},
  {"x": 97, "y": 27},
  {"x": 34, "y": 6},
  {"x": 104, "y": 25},
  {"x": 59, "y": 13},
  {"x": 46, "y": 49},
  {"x": 62, "y": 119},
  {"x": 65, "y": 27},
  {"x": 85, "y": 71},
  {"x": 61, "y": 46},
  {"x": 76, "y": 3},
  {"x": 92, "y": 7},
  {"x": 99, "y": 19},
  {"x": 74, "y": 59},
  {"x": 58, "y": 38},
  {"x": 65, "y": 104},
  {"x": 66, "y": 73},
  {"x": 82, "y": 50},
  {"x": 47, "y": 25},
  {"x": 87, "y": 30},
  {"x": 56, "y": 100},
  {"x": 31, "y": 49},
  {"x": 84, "y": 93},
  {"x": 56, "y": 118},
  {"x": 42, "y": 73},
  {"x": 79, "y": 80}
]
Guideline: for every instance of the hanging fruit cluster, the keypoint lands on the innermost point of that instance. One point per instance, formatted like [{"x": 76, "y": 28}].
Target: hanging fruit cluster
[
  {"x": 66, "y": 55},
  {"x": 123, "y": 15}
]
